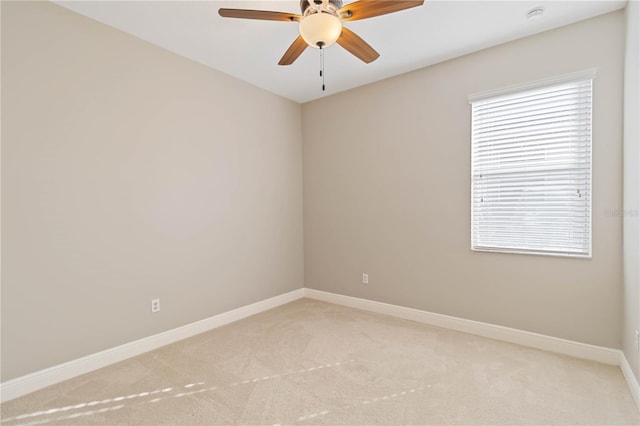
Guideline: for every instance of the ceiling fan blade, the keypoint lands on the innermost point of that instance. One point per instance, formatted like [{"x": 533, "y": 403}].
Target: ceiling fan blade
[
  {"x": 295, "y": 50},
  {"x": 364, "y": 9},
  {"x": 265, "y": 15},
  {"x": 357, "y": 46}
]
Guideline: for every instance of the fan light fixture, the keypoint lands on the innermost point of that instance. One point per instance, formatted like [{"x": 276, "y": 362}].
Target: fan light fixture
[{"x": 320, "y": 30}]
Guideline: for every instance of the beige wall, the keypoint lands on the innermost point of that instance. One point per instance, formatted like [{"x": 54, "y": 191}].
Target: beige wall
[
  {"x": 386, "y": 192},
  {"x": 631, "y": 217},
  {"x": 129, "y": 173}
]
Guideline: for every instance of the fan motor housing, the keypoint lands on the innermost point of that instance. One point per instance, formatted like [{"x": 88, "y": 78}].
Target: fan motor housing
[{"x": 305, "y": 4}]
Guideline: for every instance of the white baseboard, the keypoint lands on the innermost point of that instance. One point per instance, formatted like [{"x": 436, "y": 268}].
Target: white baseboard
[
  {"x": 40, "y": 379},
  {"x": 497, "y": 332},
  {"x": 634, "y": 387}
]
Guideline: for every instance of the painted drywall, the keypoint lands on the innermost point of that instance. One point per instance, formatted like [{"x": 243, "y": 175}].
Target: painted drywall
[
  {"x": 129, "y": 173},
  {"x": 387, "y": 192},
  {"x": 631, "y": 211}
]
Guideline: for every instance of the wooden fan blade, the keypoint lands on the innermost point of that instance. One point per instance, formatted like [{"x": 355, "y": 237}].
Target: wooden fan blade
[
  {"x": 364, "y": 9},
  {"x": 265, "y": 15},
  {"x": 295, "y": 50},
  {"x": 357, "y": 46}
]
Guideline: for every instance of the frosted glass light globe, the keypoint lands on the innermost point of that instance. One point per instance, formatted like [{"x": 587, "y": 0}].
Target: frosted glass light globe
[{"x": 320, "y": 29}]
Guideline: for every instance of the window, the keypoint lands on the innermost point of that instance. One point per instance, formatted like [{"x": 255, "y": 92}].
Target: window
[{"x": 531, "y": 169}]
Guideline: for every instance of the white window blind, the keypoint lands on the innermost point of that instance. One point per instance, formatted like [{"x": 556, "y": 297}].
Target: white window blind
[{"x": 531, "y": 170}]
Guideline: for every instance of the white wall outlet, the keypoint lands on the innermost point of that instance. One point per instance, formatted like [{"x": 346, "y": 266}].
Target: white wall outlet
[
  {"x": 365, "y": 278},
  {"x": 155, "y": 305}
]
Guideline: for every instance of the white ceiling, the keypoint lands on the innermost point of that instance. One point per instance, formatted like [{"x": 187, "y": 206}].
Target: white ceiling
[{"x": 407, "y": 40}]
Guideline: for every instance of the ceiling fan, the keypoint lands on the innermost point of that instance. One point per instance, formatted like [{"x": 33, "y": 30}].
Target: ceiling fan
[{"x": 321, "y": 24}]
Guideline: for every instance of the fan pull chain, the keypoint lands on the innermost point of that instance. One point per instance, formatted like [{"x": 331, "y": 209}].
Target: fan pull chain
[{"x": 322, "y": 65}]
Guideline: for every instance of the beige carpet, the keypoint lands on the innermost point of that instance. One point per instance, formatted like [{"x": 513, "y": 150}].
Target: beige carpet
[{"x": 311, "y": 362}]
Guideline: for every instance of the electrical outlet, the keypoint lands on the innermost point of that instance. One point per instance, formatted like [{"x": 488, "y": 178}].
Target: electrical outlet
[
  {"x": 155, "y": 305},
  {"x": 365, "y": 278},
  {"x": 637, "y": 341}
]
